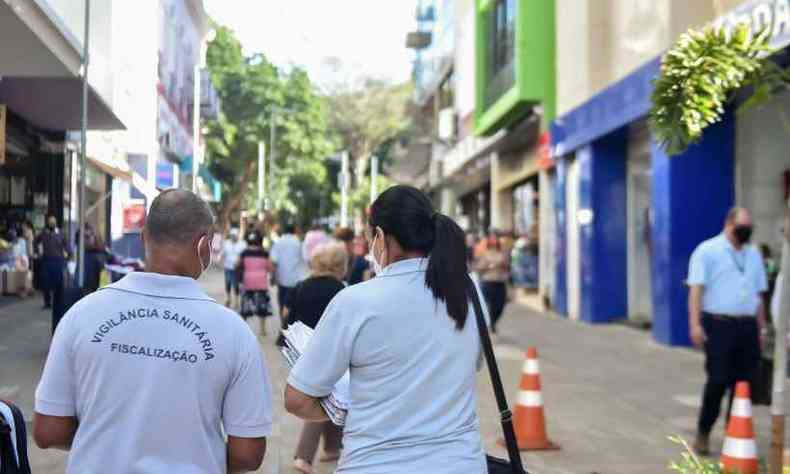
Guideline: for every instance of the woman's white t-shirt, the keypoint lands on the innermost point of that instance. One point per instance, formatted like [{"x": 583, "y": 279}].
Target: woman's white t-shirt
[{"x": 413, "y": 376}]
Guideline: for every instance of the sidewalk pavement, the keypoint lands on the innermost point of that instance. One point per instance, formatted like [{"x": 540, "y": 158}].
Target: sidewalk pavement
[{"x": 612, "y": 395}]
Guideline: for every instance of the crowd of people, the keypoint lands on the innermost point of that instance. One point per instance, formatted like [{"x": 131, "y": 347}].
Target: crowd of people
[{"x": 171, "y": 361}]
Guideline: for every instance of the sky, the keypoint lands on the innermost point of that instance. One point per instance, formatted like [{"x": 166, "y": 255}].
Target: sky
[{"x": 368, "y": 36}]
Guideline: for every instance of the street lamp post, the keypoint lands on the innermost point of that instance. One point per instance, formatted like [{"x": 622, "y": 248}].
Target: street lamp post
[
  {"x": 83, "y": 151},
  {"x": 374, "y": 175},
  {"x": 262, "y": 198}
]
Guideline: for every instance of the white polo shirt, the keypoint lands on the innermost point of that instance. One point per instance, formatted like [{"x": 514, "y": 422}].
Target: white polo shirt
[
  {"x": 287, "y": 254},
  {"x": 156, "y": 372}
]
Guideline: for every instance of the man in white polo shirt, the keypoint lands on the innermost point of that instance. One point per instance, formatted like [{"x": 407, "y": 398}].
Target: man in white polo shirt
[
  {"x": 149, "y": 375},
  {"x": 726, "y": 313},
  {"x": 290, "y": 267}
]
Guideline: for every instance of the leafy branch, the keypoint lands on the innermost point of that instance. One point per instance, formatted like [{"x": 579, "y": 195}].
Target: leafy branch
[{"x": 699, "y": 76}]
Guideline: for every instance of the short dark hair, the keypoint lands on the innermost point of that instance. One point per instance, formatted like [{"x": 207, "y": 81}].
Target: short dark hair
[
  {"x": 178, "y": 216},
  {"x": 289, "y": 228},
  {"x": 344, "y": 234}
]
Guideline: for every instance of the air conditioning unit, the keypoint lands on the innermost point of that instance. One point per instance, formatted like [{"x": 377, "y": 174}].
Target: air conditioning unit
[{"x": 448, "y": 124}]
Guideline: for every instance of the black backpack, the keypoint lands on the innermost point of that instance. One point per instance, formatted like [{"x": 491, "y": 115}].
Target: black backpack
[{"x": 13, "y": 440}]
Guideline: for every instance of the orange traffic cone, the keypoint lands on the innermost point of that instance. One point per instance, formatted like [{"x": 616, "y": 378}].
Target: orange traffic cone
[
  {"x": 528, "y": 418},
  {"x": 739, "y": 453}
]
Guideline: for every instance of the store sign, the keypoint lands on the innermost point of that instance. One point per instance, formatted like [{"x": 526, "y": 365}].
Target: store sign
[
  {"x": 760, "y": 14},
  {"x": 2, "y": 133},
  {"x": 164, "y": 175},
  {"x": 133, "y": 218},
  {"x": 545, "y": 160}
]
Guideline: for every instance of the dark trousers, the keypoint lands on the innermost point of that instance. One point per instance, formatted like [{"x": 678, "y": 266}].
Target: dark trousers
[
  {"x": 282, "y": 297},
  {"x": 52, "y": 273},
  {"x": 732, "y": 354},
  {"x": 495, "y": 293}
]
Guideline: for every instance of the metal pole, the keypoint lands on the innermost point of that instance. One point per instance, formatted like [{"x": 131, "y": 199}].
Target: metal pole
[
  {"x": 196, "y": 125},
  {"x": 272, "y": 147},
  {"x": 780, "y": 358},
  {"x": 83, "y": 145},
  {"x": 261, "y": 175},
  {"x": 344, "y": 190},
  {"x": 374, "y": 175}
]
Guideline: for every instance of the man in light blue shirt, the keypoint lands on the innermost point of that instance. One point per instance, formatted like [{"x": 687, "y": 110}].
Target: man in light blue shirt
[
  {"x": 726, "y": 313},
  {"x": 290, "y": 268}
]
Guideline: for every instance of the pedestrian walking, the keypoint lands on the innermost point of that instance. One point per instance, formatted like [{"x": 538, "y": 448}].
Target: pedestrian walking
[
  {"x": 493, "y": 268},
  {"x": 54, "y": 250},
  {"x": 232, "y": 248},
  {"x": 726, "y": 313},
  {"x": 154, "y": 380},
  {"x": 358, "y": 265},
  {"x": 306, "y": 303},
  {"x": 288, "y": 263},
  {"x": 95, "y": 258},
  {"x": 410, "y": 341},
  {"x": 254, "y": 270}
]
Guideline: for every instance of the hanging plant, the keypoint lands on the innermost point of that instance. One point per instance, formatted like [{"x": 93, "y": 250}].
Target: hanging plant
[{"x": 699, "y": 76}]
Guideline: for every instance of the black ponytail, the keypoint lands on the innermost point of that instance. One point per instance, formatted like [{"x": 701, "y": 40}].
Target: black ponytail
[
  {"x": 407, "y": 214},
  {"x": 447, "y": 274}
]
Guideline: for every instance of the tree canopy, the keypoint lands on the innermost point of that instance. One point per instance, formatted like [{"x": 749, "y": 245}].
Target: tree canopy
[{"x": 255, "y": 94}]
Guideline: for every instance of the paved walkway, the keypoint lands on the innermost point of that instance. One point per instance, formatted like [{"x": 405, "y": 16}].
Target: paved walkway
[{"x": 612, "y": 395}]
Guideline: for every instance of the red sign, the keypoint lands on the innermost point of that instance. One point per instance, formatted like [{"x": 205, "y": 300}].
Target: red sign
[
  {"x": 545, "y": 160},
  {"x": 133, "y": 218}
]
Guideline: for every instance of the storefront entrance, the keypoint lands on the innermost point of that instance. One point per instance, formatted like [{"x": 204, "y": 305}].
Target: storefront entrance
[
  {"x": 573, "y": 239},
  {"x": 639, "y": 192}
]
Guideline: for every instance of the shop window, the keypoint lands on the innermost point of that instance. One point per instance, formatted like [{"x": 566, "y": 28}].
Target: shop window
[{"x": 501, "y": 50}]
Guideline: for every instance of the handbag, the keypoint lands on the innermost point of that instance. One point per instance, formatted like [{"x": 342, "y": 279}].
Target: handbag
[{"x": 496, "y": 465}]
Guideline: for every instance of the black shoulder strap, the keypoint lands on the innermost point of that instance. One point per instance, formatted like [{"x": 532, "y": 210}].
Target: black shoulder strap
[{"x": 506, "y": 417}]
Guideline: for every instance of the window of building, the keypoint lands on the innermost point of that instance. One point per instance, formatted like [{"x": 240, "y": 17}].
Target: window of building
[{"x": 501, "y": 50}]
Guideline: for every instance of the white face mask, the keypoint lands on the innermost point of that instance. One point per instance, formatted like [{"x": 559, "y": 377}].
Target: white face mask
[{"x": 377, "y": 266}]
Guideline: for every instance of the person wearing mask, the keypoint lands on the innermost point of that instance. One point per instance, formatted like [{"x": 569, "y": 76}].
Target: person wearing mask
[
  {"x": 409, "y": 338},
  {"x": 726, "y": 282},
  {"x": 156, "y": 381},
  {"x": 54, "y": 250},
  {"x": 255, "y": 269},
  {"x": 358, "y": 266},
  {"x": 306, "y": 303},
  {"x": 231, "y": 251},
  {"x": 493, "y": 268},
  {"x": 289, "y": 265}
]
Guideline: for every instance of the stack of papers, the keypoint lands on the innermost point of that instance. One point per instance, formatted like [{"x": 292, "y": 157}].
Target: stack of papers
[{"x": 296, "y": 339}]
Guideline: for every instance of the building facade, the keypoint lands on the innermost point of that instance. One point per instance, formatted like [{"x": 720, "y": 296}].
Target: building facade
[
  {"x": 627, "y": 216},
  {"x": 614, "y": 217},
  {"x": 40, "y": 102}
]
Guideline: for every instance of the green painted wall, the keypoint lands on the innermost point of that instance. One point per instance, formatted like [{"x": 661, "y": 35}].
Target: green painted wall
[{"x": 534, "y": 66}]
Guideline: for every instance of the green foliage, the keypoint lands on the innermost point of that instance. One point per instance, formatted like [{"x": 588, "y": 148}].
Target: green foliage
[
  {"x": 368, "y": 117},
  {"x": 691, "y": 463},
  {"x": 699, "y": 76},
  {"x": 250, "y": 90},
  {"x": 359, "y": 198}
]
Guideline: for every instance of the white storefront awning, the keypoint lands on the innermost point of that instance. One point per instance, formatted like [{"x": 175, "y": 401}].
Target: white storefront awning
[{"x": 40, "y": 70}]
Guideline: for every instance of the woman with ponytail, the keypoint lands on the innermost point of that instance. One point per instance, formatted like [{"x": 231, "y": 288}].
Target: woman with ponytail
[{"x": 410, "y": 340}]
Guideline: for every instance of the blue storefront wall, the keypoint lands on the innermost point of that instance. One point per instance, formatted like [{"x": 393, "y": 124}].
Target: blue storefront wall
[
  {"x": 560, "y": 296},
  {"x": 691, "y": 195},
  {"x": 602, "y": 241}
]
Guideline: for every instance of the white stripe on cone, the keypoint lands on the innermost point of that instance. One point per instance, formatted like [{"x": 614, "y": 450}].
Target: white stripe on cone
[
  {"x": 530, "y": 398},
  {"x": 531, "y": 367},
  {"x": 742, "y": 408},
  {"x": 739, "y": 448}
]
